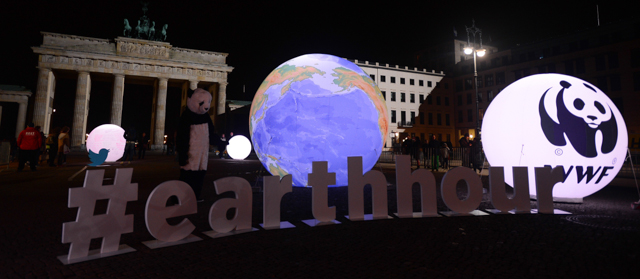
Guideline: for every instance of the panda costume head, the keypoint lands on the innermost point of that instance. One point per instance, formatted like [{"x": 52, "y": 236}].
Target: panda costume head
[
  {"x": 581, "y": 118},
  {"x": 199, "y": 101}
]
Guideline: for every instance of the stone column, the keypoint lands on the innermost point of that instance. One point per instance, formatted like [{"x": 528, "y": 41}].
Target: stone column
[
  {"x": 22, "y": 117},
  {"x": 116, "y": 102},
  {"x": 222, "y": 97},
  {"x": 41, "y": 106},
  {"x": 158, "y": 138},
  {"x": 81, "y": 110}
]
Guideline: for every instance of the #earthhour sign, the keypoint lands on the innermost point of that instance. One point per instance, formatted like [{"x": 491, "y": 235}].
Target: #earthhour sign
[
  {"x": 556, "y": 120},
  {"x": 546, "y": 135}
]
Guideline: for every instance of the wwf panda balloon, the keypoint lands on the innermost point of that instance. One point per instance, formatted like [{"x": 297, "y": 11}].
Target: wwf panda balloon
[{"x": 556, "y": 120}]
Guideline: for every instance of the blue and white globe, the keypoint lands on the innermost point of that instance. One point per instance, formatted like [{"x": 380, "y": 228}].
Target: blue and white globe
[{"x": 317, "y": 107}]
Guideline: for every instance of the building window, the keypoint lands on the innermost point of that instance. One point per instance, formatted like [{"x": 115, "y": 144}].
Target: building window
[
  {"x": 460, "y": 117},
  {"x": 446, "y": 101},
  {"x": 402, "y": 97},
  {"x": 439, "y": 119},
  {"x": 580, "y": 68},
  {"x": 500, "y": 78},
  {"x": 602, "y": 83},
  {"x": 613, "y": 60},
  {"x": 429, "y": 100},
  {"x": 393, "y": 79},
  {"x": 420, "y": 82},
  {"x": 479, "y": 81},
  {"x": 401, "y": 80},
  {"x": 459, "y": 85},
  {"x": 393, "y": 96},
  {"x": 468, "y": 84},
  {"x": 403, "y": 117},
  {"x": 384, "y": 95},
  {"x": 412, "y": 82},
  {"x": 383, "y": 79},
  {"x": 446, "y": 120},
  {"x": 421, "y": 98},
  {"x": 438, "y": 100},
  {"x": 413, "y": 116},
  {"x": 459, "y": 100},
  {"x": 421, "y": 118},
  {"x": 412, "y": 98},
  {"x": 600, "y": 62},
  {"x": 469, "y": 116},
  {"x": 490, "y": 95},
  {"x": 430, "y": 118},
  {"x": 429, "y": 84},
  {"x": 469, "y": 100},
  {"x": 373, "y": 77},
  {"x": 488, "y": 80},
  {"x": 393, "y": 116}
]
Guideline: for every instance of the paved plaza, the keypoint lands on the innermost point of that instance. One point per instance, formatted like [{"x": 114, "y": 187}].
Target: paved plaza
[{"x": 601, "y": 238}]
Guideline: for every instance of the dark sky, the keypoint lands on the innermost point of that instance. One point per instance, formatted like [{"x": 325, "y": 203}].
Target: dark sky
[{"x": 260, "y": 35}]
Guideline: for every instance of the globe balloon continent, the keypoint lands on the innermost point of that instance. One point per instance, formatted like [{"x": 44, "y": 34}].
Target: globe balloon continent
[{"x": 317, "y": 107}]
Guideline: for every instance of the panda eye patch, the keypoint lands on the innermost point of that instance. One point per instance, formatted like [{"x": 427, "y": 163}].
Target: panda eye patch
[
  {"x": 202, "y": 103},
  {"x": 578, "y": 103},
  {"x": 599, "y": 106}
]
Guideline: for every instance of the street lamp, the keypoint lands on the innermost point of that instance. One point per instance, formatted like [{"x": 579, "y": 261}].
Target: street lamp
[{"x": 477, "y": 52}]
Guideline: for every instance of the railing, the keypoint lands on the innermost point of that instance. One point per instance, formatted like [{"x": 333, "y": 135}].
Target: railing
[{"x": 405, "y": 124}]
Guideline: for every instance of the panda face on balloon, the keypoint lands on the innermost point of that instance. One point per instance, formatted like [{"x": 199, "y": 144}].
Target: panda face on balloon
[
  {"x": 583, "y": 115},
  {"x": 200, "y": 101}
]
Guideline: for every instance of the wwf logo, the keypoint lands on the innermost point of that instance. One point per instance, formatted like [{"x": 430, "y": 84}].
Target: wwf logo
[{"x": 583, "y": 117}]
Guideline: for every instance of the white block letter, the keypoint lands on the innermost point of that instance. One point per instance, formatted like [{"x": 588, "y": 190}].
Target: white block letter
[
  {"x": 274, "y": 189},
  {"x": 404, "y": 182},
  {"x": 242, "y": 203},
  {"x": 319, "y": 180},
  {"x": 520, "y": 201},
  {"x": 357, "y": 181},
  {"x": 156, "y": 211},
  {"x": 474, "y": 189}
]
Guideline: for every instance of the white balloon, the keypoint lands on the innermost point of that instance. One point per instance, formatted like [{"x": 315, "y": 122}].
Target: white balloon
[{"x": 239, "y": 147}]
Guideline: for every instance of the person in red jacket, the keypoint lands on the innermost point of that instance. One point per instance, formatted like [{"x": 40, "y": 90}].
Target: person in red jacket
[{"x": 29, "y": 142}]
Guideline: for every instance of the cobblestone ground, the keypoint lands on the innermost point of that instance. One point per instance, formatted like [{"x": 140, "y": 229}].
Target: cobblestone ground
[{"x": 600, "y": 239}]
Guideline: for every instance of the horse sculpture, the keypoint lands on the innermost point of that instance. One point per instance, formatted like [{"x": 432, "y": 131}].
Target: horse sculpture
[
  {"x": 152, "y": 30},
  {"x": 138, "y": 30},
  {"x": 127, "y": 28},
  {"x": 164, "y": 32}
]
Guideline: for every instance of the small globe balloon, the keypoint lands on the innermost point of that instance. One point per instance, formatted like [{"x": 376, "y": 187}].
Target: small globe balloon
[
  {"x": 110, "y": 137},
  {"x": 317, "y": 107}
]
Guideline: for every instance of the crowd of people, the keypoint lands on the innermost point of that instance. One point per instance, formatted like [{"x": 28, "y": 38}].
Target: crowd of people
[{"x": 434, "y": 154}]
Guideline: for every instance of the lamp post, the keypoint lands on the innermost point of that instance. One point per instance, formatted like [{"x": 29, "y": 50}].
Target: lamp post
[{"x": 477, "y": 52}]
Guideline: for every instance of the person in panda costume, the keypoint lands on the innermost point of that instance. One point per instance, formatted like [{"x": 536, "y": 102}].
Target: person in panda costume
[{"x": 195, "y": 134}]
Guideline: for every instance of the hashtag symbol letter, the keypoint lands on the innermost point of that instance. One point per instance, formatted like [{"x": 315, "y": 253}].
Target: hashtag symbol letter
[{"x": 108, "y": 226}]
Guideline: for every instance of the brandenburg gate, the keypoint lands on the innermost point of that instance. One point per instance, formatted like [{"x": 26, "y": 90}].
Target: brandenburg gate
[{"x": 125, "y": 58}]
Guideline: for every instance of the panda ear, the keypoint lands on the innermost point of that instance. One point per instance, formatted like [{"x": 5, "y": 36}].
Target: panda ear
[
  {"x": 565, "y": 84},
  {"x": 190, "y": 93}
]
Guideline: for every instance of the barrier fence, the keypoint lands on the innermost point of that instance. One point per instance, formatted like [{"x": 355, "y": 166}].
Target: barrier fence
[{"x": 464, "y": 157}]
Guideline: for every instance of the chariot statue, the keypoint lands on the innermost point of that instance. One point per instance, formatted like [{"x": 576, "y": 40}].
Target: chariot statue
[{"x": 144, "y": 30}]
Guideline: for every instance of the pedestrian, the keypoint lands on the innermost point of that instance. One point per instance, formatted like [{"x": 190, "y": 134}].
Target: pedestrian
[
  {"x": 143, "y": 145},
  {"x": 29, "y": 144},
  {"x": 42, "y": 153},
  {"x": 52, "y": 146},
  {"x": 476, "y": 154},
  {"x": 222, "y": 145},
  {"x": 130, "y": 137},
  {"x": 416, "y": 150},
  {"x": 465, "y": 146},
  {"x": 444, "y": 152},
  {"x": 63, "y": 146},
  {"x": 434, "y": 145}
]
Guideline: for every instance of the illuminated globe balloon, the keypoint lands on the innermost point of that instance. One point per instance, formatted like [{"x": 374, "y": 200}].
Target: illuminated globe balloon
[
  {"x": 110, "y": 137},
  {"x": 317, "y": 107},
  {"x": 239, "y": 147},
  {"x": 556, "y": 120}
]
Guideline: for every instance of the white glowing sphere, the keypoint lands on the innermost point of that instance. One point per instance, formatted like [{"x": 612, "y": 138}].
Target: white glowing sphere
[
  {"x": 239, "y": 147},
  {"x": 556, "y": 120},
  {"x": 107, "y": 136}
]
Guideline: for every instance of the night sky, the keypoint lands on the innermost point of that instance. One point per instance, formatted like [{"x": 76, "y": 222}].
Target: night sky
[{"x": 260, "y": 35}]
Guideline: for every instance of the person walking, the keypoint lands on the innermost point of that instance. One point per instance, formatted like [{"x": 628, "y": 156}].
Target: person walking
[
  {"x": 29, "y": 143},
  {"x": 52, "y": 146},
  {"x": 222, "y": 145},
  {"x": 434, "y": 145},
  {"x": 465, "y": 146},
  {"x": 63, "y": 146},
  {"x": 143, "y": 144},
  {"x": 129, "y": 148}
]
